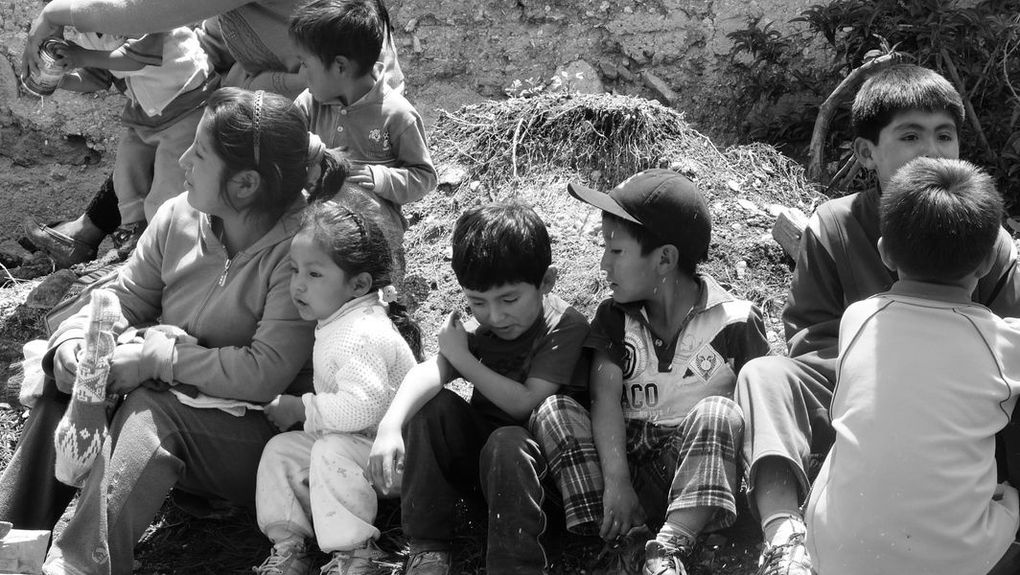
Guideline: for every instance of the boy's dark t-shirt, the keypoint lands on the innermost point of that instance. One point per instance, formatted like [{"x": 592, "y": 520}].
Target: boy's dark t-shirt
[{"x": 550, "y": 349}]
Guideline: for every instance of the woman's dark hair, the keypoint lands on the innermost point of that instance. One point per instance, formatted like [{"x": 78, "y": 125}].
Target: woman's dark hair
[
  {"x": 334, "y": 167},
  {"x": 356, "y": 244},
  {"x": 265, "y": 132}
]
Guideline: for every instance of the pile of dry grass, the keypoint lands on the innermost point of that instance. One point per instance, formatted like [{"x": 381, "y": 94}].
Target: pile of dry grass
[
  {"x": 604, "y": 138},
  {"x": 524, "y": 148}
]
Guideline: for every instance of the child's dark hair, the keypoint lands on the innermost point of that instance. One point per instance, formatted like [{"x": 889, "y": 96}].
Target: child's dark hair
[
  {"x": 265, "y": 132},
  {"x": 356, "y": 244},
  {"x": 500, "y": 244},
  {"x": 902, "y": 88},
  {"x": 354, "y": 29},
  {"x": 940, "y": 218},
  {"x": 687, "y": 263}
]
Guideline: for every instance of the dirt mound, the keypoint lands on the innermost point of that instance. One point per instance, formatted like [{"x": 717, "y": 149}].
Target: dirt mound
[
  {"x": 525, "y": 149},
  {"x": 529, "y": 148}
]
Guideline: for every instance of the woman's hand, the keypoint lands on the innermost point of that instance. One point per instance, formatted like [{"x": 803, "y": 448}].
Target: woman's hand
[
  {"x": 65, "y": 363},
  {"x": 125, "y": 368},
  {"x": 41, "y": 29},
  {"x": 386, "y": 462},
  {"x": 285, "y": 411}
]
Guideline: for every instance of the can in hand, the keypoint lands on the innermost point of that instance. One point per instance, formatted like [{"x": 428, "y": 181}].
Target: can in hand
[{"x": 45, "y": 80}]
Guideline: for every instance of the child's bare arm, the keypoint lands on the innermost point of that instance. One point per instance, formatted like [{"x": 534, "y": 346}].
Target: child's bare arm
[
  {"x": 420, "y": 385},
  {"x": 507, "y": 394},
  {"x": 74, "y": 56},
  {"x": 622, "y": 510}
]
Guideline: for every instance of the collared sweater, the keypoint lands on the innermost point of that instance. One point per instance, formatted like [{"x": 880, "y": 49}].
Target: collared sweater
[
  {"x": 251, "y": 342},
  {"x": 839, "y": 264},
  {"x": 358, "y": 362},
  {"x": 381, "y": 131}
]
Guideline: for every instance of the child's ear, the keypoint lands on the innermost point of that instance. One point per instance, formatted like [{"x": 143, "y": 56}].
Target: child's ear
[
  {"x": 361, "y": 284},
  {"x": 864, "y": 149},
  {"x": 244, "y": 185},
  {"x": 342, "y": 64},
  {"x": 886, "y": 257},
  {"x": 669, "y": 258},
  {"x": 549, "y": 279}
]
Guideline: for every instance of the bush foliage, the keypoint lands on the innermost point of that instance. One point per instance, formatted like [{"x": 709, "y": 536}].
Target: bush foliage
[{"x": 975, "y": 44}]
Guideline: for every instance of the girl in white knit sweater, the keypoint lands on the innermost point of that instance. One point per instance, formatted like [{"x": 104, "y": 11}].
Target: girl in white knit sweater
[{"x": 312, "y": 483}]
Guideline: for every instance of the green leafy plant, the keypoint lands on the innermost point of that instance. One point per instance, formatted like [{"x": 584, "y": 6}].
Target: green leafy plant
[{"x": 974, "y": 44}]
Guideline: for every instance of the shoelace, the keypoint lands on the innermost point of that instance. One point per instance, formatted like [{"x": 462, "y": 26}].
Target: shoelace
[
  {"x": 776, "y": 553},
  {"x": 274, "y": 563}
]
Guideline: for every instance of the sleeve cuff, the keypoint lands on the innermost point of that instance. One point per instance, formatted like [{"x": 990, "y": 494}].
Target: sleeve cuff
[{"x": 158, "y": 354}]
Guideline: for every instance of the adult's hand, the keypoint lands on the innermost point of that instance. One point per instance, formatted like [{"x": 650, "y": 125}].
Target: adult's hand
[
  {"x": 65, "y": 363},
  {"x": 125, "y": 369},
  {"x": 41, "y": 29}
]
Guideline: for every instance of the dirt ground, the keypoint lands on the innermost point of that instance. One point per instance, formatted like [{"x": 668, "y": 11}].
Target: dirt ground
[{"x": 744, "y": 259}]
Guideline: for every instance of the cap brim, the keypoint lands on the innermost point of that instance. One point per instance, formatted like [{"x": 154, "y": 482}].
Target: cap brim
[{"x": 600, "y": 200}]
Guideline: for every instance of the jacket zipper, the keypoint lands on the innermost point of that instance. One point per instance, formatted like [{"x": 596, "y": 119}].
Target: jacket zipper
[{"x": 226, "y": 269}]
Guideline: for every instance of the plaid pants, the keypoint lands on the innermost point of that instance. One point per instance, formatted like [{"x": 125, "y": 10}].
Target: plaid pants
[{"x": 690, "y": 465}]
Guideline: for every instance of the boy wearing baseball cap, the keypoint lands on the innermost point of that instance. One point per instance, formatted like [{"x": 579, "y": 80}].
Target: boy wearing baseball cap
[{"x": 667, "y": 346}]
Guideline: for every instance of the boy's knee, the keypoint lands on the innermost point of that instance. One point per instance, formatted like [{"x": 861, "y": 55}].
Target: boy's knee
[
  {"x": 434, "y": 409},
  {"x": 764, "y": 376},
  {"x": 718, "y": 412},
  {"x": 508, "y": 447},
  {"x": 559, "y": 417}
]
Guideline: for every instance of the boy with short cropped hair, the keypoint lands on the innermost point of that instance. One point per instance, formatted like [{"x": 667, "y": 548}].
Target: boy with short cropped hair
[
  {"x": 667, "y": 347},
  {"x": 354, "y": 103},
  {"x": 524, "y": 348},
  {"x": 918, "y": 493},
  {"x": 900, "y": 113}
]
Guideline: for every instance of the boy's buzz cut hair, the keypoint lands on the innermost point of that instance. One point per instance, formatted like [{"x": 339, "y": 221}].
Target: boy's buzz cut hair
[
  {"x": 354, "y": 29},
  {"x": 902, "y": 88},
  {"x": 500, "y": 244},
  {"x": 940, "y": 218}
]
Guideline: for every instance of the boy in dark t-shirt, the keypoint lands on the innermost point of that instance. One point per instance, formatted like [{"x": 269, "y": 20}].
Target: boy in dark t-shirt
[
  {"x": 667, "y": 347},
  {"x": 525, "y": 348}
]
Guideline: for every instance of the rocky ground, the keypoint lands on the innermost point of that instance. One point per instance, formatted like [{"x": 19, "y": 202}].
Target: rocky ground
[{"x": 746, "y": 187}]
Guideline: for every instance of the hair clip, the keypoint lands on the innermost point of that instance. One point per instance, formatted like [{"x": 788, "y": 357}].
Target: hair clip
[
  {"x": 257, "y": 120},
  {"x": 388, "y": 294}
]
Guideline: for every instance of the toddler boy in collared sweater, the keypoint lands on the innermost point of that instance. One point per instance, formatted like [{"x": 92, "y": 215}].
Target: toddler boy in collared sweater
[{"x": 354, "y": 103}]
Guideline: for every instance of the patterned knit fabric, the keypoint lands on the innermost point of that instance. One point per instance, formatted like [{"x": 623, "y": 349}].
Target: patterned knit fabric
[
  {"x": 359, "y": 360},
  {"x": 82, "y": 430}
]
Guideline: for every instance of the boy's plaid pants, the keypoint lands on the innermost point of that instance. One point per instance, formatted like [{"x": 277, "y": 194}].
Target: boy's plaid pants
[{"x": 690, "y": 465}]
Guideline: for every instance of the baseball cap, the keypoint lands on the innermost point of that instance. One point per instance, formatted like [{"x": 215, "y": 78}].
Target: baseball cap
[{"x": 666, "y": 203}]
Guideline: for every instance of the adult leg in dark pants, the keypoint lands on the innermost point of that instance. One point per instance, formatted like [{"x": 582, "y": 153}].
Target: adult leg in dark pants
[{"x": 30, "y": 495}]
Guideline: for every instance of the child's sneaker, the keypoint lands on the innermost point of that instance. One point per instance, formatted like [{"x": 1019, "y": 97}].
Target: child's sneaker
[
  {"x": 624, "y": 556},
  {"x": 287, "y": 559},
  {"x": 790, "y": 558},
  {"x": 428, "y": 563},
  {"x": 357, "y": 562},
  {"x": 663, "y": 559}
]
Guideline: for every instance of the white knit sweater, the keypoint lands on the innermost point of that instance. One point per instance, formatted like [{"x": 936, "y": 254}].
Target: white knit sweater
[{"x": 359, "y": 360}]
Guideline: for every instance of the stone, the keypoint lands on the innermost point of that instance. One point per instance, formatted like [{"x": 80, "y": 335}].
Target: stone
[
  {"x": 580, "y": 76},
  {"x": 23, "y": 551},
  {"x": 662, "y": 91},
  {"x": 451, "y": 176},
  {"x": 51, "y": 290}
]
